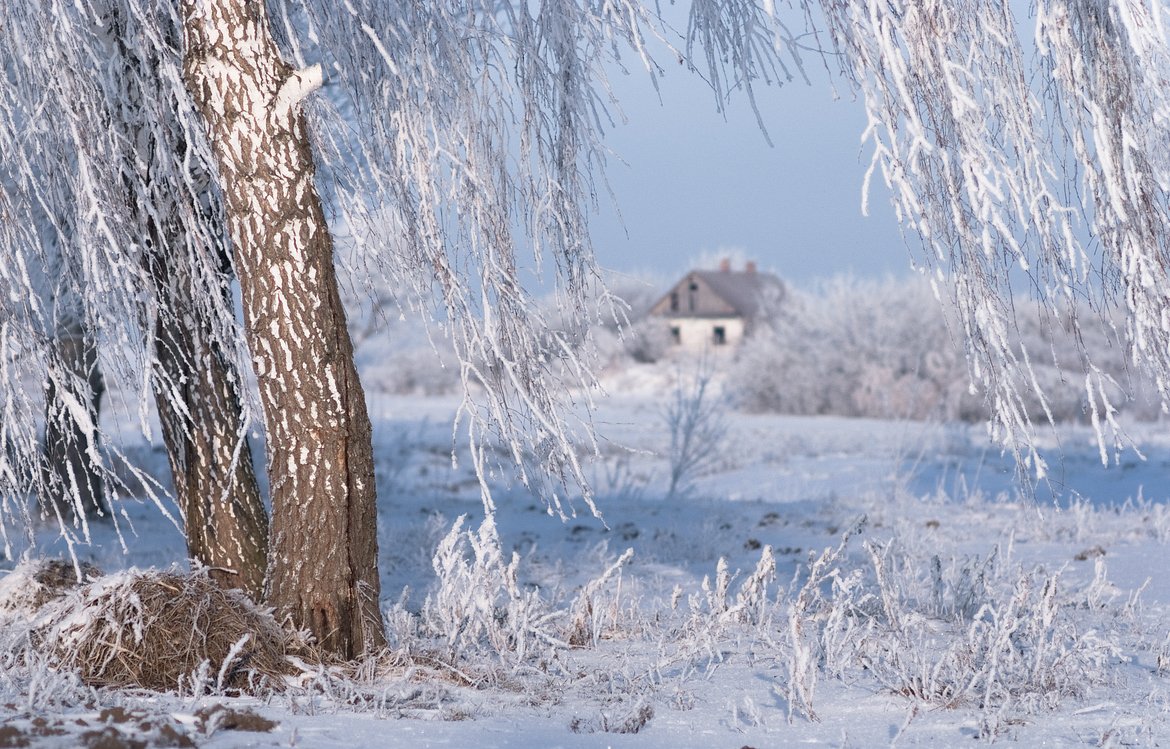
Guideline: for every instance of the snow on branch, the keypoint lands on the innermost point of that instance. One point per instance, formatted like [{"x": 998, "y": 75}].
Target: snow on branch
[
  {"x": 1015, "y": 166},
  {"x": 295, "y": 89},
  {"x": 485, "y": 155},
  {"x": 102, "y": 163}
]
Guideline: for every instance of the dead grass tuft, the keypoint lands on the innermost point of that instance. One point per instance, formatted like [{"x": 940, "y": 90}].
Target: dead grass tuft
[
  {"x": 160, "y": 630},
  {"x": 605, "y": 722},
  {"x": 28, "y": 588},
  {"x": 57, "y": 577}
]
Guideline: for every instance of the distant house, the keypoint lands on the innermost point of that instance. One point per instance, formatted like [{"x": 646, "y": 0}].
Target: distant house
[{"x": 717, "y": 307}]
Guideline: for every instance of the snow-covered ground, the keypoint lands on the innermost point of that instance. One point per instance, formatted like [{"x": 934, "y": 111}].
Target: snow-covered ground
[{"x": 883, "y": 584}]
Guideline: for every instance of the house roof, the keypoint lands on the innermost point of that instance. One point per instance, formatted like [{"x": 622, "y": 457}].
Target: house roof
[
  {"x": 744, "y": 291},
  {"x": 720, "y": 293}
]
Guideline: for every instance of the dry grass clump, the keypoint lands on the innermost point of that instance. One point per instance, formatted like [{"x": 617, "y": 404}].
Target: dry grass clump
[
  {"x": 161, "y": 630},
  {"x": 58, "y": 576},
  {"x": 28, "y": 588}
]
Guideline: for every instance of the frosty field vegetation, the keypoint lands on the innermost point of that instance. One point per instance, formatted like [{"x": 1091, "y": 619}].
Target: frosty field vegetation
[
  {"x": 824, "y": 581},
  {"x": 179, "y": 182}
]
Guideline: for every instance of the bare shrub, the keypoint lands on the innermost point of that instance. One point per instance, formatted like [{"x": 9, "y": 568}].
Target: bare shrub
[
  {"x": 697, "y": 422},
  {"x": 157, "y": 630}
]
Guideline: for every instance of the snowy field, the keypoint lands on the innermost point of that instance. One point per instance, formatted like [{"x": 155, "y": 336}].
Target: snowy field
[{"x": 827, "y": 582}]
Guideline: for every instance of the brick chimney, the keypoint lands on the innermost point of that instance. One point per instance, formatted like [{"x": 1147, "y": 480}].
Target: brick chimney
[
  {"x": 725, "y": 265},
  {"x": 750, "y": 267}
]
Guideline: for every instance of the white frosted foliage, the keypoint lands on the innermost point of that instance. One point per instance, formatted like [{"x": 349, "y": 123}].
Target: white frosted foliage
[
  {"x": 459, "y": 153},
  {"x": 1041, "y": 169}
]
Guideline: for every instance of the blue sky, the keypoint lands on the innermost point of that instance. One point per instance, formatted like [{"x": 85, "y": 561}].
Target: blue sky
[{"x": 696, "y": 182}]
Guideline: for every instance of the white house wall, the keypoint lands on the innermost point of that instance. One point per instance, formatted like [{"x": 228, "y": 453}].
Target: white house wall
[{"x": 699, "y": 333}]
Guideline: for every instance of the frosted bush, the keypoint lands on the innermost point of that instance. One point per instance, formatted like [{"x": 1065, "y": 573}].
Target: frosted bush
[
  {"x": 854, "y": 348},
  {"x": 478, "y": 603},
  {"x": 752, "y": 602},
  {"x": 625, "y": 720},
  {"x": 34, "y": 683},
  {"x": 591, "y": 607},
  {"x": 1010, "y": 644},
  {"x": 696, "y": 635},
  {"x": 882, "y": 349},
  {"x": 971, "y": 633}
]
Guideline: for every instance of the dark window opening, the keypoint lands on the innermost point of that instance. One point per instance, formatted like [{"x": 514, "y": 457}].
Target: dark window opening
[
  {"x": 720, "y": 335},
  {"x": 675, "y": 334},
  {"x": 692, "y": 297},
  {"x": 674, "y": 301}
]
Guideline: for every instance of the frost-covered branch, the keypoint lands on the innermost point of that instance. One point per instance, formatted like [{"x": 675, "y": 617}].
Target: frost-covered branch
[
  {"x": 298, "y": 86},
  {"x": 482, "y": 162},
  {"x": 105, "y": 182},
  {"x": 1051, "y": 177}
]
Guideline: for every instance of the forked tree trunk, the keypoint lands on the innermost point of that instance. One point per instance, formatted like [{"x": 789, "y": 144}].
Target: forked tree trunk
[
  {"x": 196, "y": 388},
  {"x": 198, "y": 398},
  {"x": 323, "y": 570},
  {"x": 72, "y": 483}
]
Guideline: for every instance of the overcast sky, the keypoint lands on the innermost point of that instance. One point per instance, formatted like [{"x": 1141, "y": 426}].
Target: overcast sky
[{"x": 696, "y": 183}]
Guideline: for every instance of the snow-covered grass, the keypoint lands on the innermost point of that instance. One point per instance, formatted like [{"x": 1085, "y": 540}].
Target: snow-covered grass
[{"x": 825, "y": 582}]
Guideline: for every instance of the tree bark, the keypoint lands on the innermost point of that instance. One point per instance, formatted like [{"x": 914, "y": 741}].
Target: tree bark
[
  {"x": 323, "y": 571},
  {"x": 196, "y": 387},
  {"x": 197, "y": 394},
  {"x": 72, "y": 483}
]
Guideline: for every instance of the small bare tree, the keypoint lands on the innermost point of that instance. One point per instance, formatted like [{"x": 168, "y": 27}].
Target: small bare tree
[{"x": 696, "y": 418}]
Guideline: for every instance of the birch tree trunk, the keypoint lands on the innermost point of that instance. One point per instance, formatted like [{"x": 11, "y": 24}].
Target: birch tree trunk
[
  {"x": 323, "y": 547},
  {"x": 197, "y": 394},
  {"x": 196, "y": 387}
]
